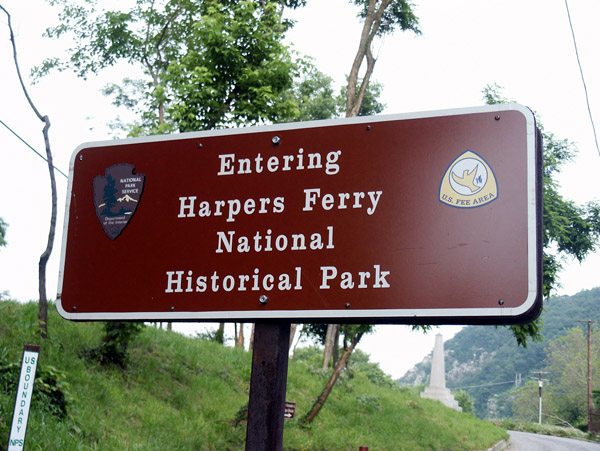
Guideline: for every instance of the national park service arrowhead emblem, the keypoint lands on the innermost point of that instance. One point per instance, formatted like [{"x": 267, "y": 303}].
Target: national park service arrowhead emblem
[
  {"x": 117, "y": 195},
  {"x": 469, "y": 182}
]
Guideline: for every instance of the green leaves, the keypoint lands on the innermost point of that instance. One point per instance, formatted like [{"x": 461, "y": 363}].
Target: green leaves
[
  {"x": 101, "y": 38},
  {"x": 3, "y": 226},
  {"x": 567, "y": 367},
  {"x": 570, "y": 230},
  {"x": 574, "y": 229},
  {"x": 398, "y": 13},
  {"x": 201, "y": 64},
  {"x": 115, "y": 344},
  {"x": 465, "y": 401},
  {"x": 235, "y": 71},
  {"x": 51, "y": 389}
]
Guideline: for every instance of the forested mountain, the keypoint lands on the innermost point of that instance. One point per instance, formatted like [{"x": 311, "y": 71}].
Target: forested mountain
[{"x": 486, "y": 362}]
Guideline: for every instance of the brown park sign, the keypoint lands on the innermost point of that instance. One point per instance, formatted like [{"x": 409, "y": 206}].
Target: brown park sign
[{"x": 417, "y": 218}]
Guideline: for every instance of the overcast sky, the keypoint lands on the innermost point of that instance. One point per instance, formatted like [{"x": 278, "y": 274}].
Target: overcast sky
[{"x": 524, "y": 46}]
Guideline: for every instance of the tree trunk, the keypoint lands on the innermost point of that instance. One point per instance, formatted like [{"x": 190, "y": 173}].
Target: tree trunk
[
  {"x": 220, "y": 336},
  {"x": 43, "y": 306},
  {"x": 329, "y": 343},
  {"x": 354, "y": 100},
  {"x": 43, "y": 303},
  {"x": 371, "y": 25},
  {"x": 240, "y": 338},
  {"x": 292, "y": 333},
  {"x": 297, "y": 342},
  {"x": 251, "y": 343},
  {"x": 336, "y": 346},
  {"x": 313, "y": 412}
]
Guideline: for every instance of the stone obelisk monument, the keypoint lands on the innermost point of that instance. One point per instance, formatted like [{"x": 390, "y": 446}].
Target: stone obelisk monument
[{"x": 437, "y": 384}]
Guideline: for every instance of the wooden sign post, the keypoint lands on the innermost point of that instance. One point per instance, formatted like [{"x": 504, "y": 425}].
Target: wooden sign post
[{"x": 268, "y": 383}]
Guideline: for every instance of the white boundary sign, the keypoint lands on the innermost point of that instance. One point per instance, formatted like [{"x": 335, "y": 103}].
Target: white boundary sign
[{"x": 16, "y": 440}]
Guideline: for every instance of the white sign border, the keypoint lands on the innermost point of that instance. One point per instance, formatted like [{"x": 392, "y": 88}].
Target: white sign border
[{"x": 382, "y": 316}]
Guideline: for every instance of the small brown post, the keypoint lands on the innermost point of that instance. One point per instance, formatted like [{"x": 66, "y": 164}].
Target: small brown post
[{"x": 268, "y": 383}]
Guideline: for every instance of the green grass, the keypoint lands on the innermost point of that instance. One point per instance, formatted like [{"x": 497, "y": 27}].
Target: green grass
[{"x": 180, "y": 393}]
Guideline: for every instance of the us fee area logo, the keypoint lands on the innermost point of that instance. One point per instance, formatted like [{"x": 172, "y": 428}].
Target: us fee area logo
[{"x": 469, "y": 182}]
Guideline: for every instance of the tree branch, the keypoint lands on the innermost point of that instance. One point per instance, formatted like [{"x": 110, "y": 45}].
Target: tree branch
[
  {"x": 315, "y": 409},
  {"x": 365, "y": 83},
  {"x": 155, "y": 68},
  {"x": 12, "y": 40},
  {"x": 43, "y": 303},
  {"x": 371, "y": 26}
]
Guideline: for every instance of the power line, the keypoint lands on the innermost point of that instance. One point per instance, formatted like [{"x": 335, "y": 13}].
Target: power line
[
  {"x": 484, "y": 385},
  {"x": 587, "y": 99},
  {"x": 31, "y": 147}
]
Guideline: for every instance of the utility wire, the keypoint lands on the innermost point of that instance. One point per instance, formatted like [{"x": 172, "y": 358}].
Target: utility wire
[
  {"x": 484, "y": 385},
  {"x": 28, "y": 145},
  {"x": 587, "y": 99}
]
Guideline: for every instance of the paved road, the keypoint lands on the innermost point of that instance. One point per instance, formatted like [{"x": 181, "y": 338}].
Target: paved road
[{"x": 524, "y": 441}]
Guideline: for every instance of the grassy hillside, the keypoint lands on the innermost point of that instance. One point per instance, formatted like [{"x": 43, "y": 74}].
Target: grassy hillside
[{"x": 181, "y": 393}]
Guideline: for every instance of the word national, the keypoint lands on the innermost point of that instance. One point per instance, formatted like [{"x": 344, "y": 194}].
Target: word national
[{"x": 266, "y": 242}]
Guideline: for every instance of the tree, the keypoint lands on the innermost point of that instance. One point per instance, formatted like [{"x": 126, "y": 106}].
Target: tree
[
  {"x": 204, "y": 64},
  {"x": 465, "y": 401},
  {"x": 526, "y": 403},
  {"x": 314, "y": 94},
  {"x": 235, "y": 70},
  {"x": 3, "y": 227},
  {"x": 329, "y": 337},
  {"x": 567, "y": 368},
  {"x": 564, "y": 399},
  {"x": 220, "y": 334},
  {"x": 370, "y": 102},
  {"x": 239, "y": 338},
  {"x": 380, "y": 17},
  {"x": 43, "y": 301},
  {"x": 354, "y": 334},
  {"x": 115, "y": 343},
  {"x": 315, "y": 99},
  {"x": 332, "y": 339},
  {"x": 570, "y": 228}
]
